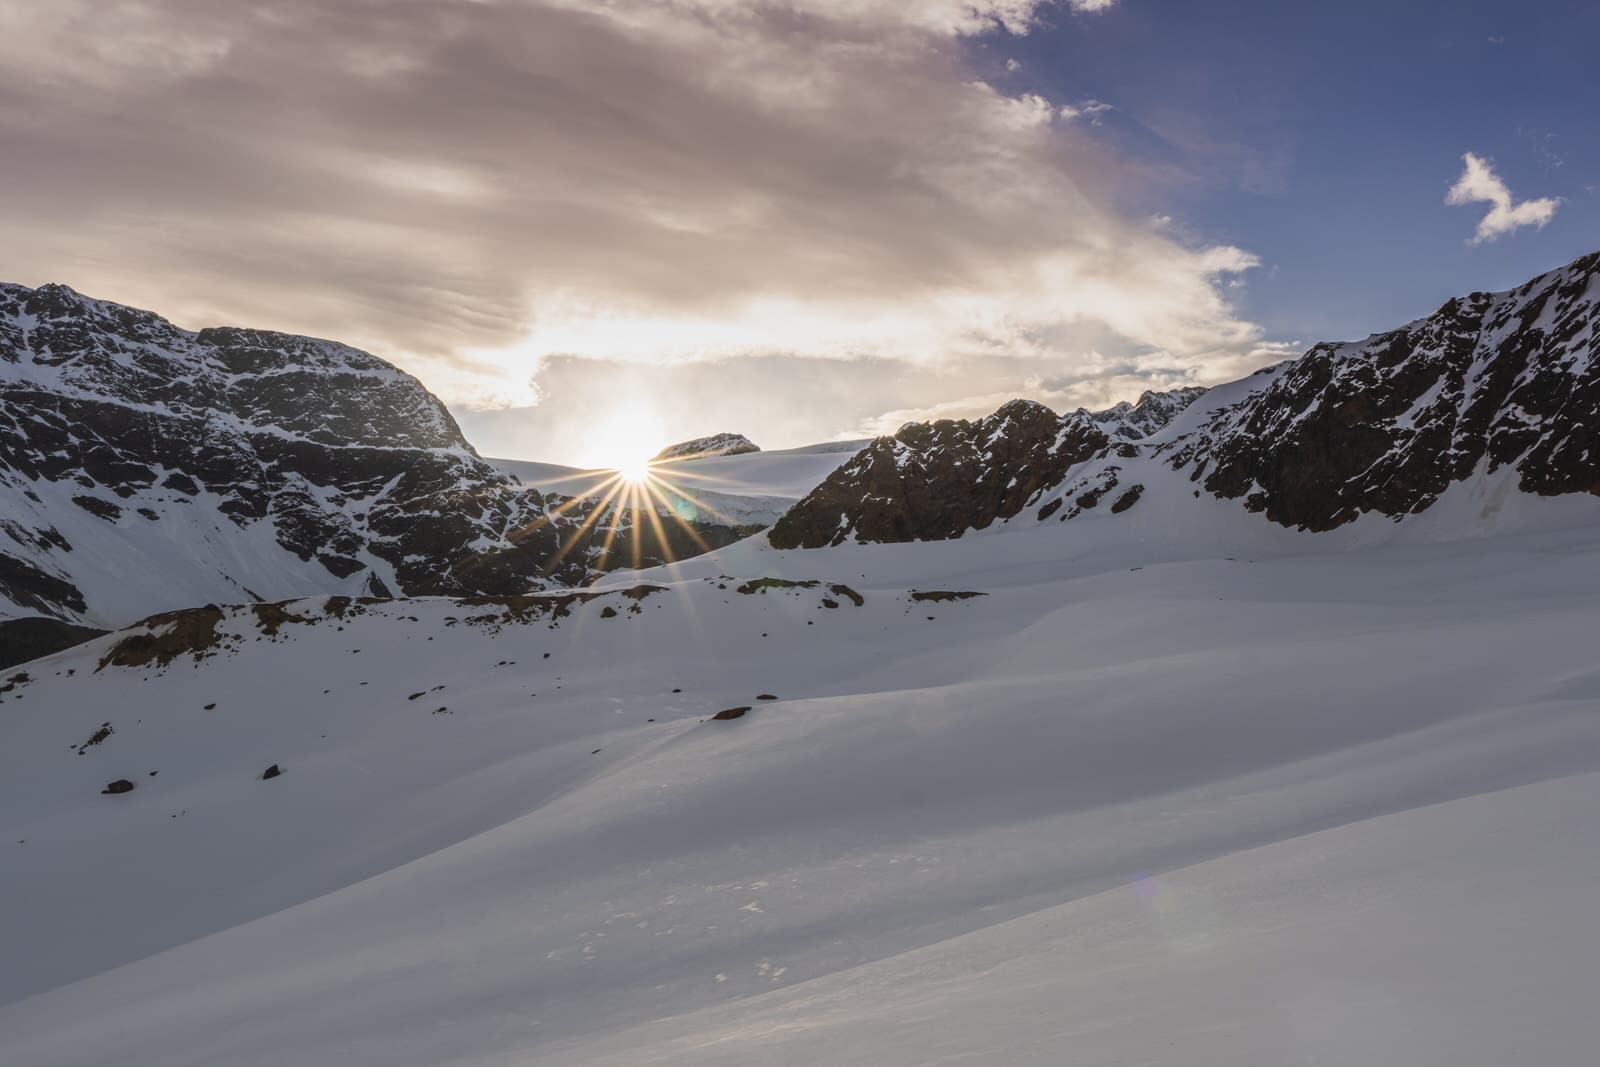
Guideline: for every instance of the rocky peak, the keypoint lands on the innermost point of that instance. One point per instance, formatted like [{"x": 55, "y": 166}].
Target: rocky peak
[
  {"x": 937, "y": 480},
  {"x": 722, "y": 444},
  {"x": 1151, "y": 413}
]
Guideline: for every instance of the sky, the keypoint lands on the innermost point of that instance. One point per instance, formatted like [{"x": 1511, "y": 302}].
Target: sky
[{"x": 595, "y": 226}]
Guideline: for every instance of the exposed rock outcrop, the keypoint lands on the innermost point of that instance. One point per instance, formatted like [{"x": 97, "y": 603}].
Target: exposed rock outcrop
[
  {"x": 722, "y": 444},
  {"x": 933, "y": 481},
  {"x": 1387, "y": 424},
  {"x": 22, "y": 640}
]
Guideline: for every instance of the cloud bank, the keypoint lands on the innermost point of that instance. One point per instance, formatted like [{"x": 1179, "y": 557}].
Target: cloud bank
[
  {"x": 1479, "y": 184},
  {"x": 478, "y": 188}
]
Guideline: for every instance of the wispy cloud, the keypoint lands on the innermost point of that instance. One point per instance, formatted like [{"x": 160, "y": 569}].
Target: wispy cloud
[
  {"x": 1479, "y": 184},
  {"x": 474, "y": 189}
]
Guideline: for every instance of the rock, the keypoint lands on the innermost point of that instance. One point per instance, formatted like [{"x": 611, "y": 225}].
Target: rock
[
  {"x": 1127, "y": 499},
  {"x": 121, "y": 785},
  {"x": 722, "y": 444},
  {"x": 271, "y": 772},
  {"x": 22, "y": 640},
  {"x": 96, "y": 738},
  {"x": 730, "y": 713},
  {"x": 1387, "y": 424},
  {"x": 935, "y": 481}
]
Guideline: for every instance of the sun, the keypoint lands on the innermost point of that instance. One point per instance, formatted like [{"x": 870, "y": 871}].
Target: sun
[
  {"x": 625, "y": 440},
  {"x": 634, "y": 470}
]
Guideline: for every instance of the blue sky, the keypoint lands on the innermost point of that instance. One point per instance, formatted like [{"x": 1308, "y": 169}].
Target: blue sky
[{"x": 1324, "y": 136}]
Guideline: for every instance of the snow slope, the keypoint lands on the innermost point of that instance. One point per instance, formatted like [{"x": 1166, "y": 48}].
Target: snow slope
[
  {"x": 749, "y": 489},
  {"x": 1285, "y": 753},
  {"x": 1297, "y": 806}
]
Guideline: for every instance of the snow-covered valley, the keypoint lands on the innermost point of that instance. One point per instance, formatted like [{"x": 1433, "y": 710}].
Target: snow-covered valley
[
  {"x": 1254, "y": 725},
  {"x": 1304, "y": 805},
  {"x": 748, "y": 489}
]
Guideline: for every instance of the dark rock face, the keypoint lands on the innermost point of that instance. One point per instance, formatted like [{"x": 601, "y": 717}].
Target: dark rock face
[
  {"x": 278, "y": 465},
  {"x": 722, "y": 444},
  {"x": 1387, "y": 424},
  {"x": 121, "y": 785},
  {"x": 934, "y": 481},
  {"x": 1151, "y": 414},
  {"x": 22, "y": 640}
]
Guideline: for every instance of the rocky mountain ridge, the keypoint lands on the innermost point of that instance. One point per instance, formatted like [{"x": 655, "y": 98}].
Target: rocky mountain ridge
[
  {"x": 1381, "y": 426},
  {"x": 143, "y": 466},
  {"x": 934, "y": 481},
  {"x": 1387, "y": 424}
]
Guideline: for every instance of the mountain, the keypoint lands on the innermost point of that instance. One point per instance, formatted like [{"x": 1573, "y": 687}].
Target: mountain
[
  {"x": 1489, "y": 383},
  {"x": 1386, "y": 425},
  {"x": 722, "y": 444},
  {"x": 144, "y": 467},
  {"x": 938, "y": 480},
  {"x": 1008, "y": 806},
  {"x": 1141, "y": 769}
]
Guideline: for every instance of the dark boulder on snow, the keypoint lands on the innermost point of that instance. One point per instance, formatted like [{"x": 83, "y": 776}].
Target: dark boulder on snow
[
  {"x": 730, "y": 713},
  {"x": 271, "y": 772},
  {"x": 121, "y": 785}
]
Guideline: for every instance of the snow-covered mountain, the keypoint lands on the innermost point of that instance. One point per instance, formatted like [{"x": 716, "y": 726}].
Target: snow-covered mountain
[
  {"x": 722, "y": 444},
  {"x": 937, "y": 480},
  {"x": 145, "y": 467},
  {"x": 1094, "y": 783},
  {"x": 1005, "y": 807},
  {"x": 1489, "y": 383}
]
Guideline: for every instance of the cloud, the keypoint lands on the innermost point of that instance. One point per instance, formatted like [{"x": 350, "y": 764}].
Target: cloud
[
  {"x": 1480, "y": 184},
  {"x": 1092, "y": 108},
  {"x": 477, "y": 190}
]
